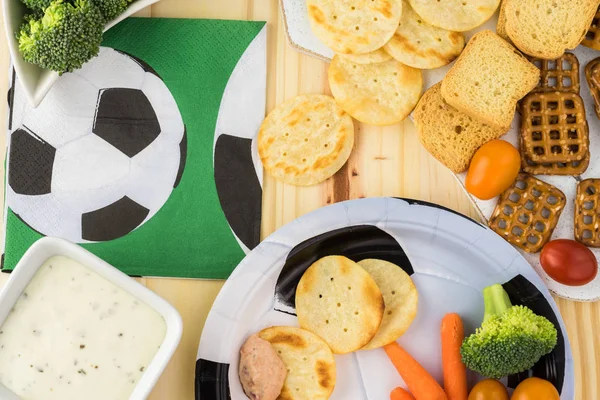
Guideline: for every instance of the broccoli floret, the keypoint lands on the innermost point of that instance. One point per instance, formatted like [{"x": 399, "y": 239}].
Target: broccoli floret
[
  {"x": 111, "y": 9},
  {"x": 511, "y": 339},
  {"x": 37, "y": 5},
  {"x": 64, "y": 38}
]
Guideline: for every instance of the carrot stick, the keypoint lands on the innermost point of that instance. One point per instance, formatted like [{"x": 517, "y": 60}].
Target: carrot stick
[
  {"x": 455, "y": 372},
  {"x": 421, "y": 384},
  {"x": 400, "y": 394}
]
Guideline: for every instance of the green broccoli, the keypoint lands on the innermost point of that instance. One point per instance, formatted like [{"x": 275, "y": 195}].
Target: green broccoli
[
  {"x": 111, "y": 9},
  {"x": 64, "y": 38},
  {"x": 511, "y": 339},
  {"x": 37, "y": 6}
]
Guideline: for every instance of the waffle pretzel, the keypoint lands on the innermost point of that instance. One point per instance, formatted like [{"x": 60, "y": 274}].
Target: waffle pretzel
[
  {"x": 559, "y": 75},
  {"x": 573, "y": 168},
  {"x": 527, "y": 213},
  {"x": 592, "y": 37},
  {"x": 587, "y": 210},
  {"x": 592, "y": 75},
  {"x": 554, "y": 127}
]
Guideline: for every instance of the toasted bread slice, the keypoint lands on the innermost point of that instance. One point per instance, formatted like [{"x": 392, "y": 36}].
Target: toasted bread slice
[
  {"x": 451, "y": 136},
  {"x": 488, "y": 79},
  {"x": 501, "y": 25},
  {"x": 547, "y": 28}
]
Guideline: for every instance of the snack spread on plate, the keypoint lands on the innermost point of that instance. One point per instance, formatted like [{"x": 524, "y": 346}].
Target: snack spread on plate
[
  {"x": 339, "y": 304},
  {"x": 74, "y": 335},
  {"x": 461, "y": 120}
]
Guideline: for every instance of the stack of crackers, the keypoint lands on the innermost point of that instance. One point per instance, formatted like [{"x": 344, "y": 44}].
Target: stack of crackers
[
  {"x": 342, "y": 307},
  {"x": 356, "y": 306}
]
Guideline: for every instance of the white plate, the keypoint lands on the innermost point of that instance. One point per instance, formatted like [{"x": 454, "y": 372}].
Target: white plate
[
  {"x": 302, "y": 38},
  {"x": 47, "y": 247},
  {"x": 35, "y": 80},
  {"x": 450, "y": 257}
]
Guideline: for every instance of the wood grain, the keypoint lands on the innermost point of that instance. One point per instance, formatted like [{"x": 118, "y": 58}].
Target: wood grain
[{"x": 386, "y": 162}]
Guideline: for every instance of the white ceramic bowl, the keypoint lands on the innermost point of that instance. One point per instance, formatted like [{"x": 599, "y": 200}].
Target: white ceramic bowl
[
  {"x": 47, "y": 247},
  {"x": 37, "y": 81}
]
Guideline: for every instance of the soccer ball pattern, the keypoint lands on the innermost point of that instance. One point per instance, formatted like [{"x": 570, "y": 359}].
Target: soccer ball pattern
[
  {"x": 449, "y": 257},
  {"x": 101, "y": 154}
]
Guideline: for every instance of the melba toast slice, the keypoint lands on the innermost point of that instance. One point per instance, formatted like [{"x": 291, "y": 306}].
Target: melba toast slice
[
  {"x": 488, "y": 79},
  {"x": 449, "y": 135},
  {"x": 546, "y": 28}
]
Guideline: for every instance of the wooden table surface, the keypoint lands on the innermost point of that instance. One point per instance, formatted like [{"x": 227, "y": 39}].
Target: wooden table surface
[{"x": 386, "y": 161}]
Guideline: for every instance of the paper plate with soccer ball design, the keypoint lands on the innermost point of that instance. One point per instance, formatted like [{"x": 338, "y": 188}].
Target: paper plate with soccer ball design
[{"x": 450, "y": 258}]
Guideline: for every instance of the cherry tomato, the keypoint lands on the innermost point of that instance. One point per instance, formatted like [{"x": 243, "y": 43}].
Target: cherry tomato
[
  {"x": 569, "y": 262},
  {"x": 535, "y": 389},
  {"x": 493, "y": 169},
  {"x": 488, "y": 389}
]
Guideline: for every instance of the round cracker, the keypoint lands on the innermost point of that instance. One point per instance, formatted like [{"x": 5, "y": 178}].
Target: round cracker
[
  {"x": 340, "y": 302},
  {"x": 400, "y": 297},
  {"x": 305, "y": 140},
  {"x": 374, "y": 57},
  {"x": 309, "y": 361},
  {"x": 377, "y": 94},
  {"x": 420, "y": 45},
  {"x": 455, "y": 15},
  {"x": 354, "y": 26}
]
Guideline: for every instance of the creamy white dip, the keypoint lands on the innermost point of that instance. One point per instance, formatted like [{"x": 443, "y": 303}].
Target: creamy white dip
[{"x": 73, "y": 335}]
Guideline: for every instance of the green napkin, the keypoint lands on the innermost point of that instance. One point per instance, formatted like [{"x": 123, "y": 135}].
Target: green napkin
[{"x": 61, "y": 183}]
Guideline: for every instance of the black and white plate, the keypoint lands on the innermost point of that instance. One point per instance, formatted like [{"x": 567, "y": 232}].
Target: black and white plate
[{"x": 450, "y": 257}]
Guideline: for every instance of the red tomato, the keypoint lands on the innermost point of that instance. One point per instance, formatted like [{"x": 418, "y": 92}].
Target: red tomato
[
  {"x": 493, "y": 169},
  {"x": 569, "y": 262},
  {"x": 535, "y": 389}
]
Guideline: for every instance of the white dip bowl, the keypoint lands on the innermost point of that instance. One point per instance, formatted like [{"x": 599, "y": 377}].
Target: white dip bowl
[{"x": 46, "y": 248}]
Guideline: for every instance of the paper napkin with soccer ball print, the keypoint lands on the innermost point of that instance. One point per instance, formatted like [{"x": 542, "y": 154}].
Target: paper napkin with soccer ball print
[{"x": 146, "y": 155}]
